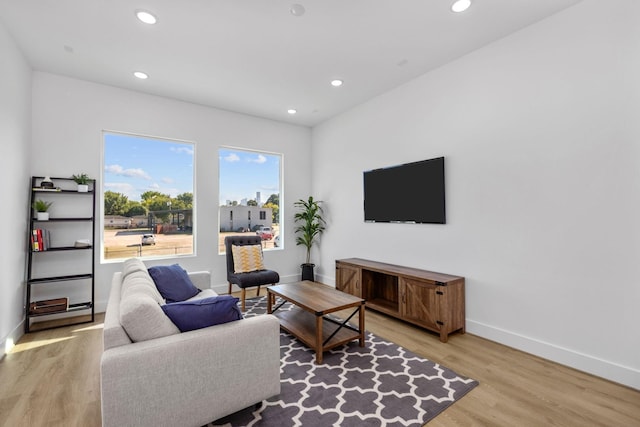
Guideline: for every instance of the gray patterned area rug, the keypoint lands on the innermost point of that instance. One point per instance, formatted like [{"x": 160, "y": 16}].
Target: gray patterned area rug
[{"x": 381, "y": 384}]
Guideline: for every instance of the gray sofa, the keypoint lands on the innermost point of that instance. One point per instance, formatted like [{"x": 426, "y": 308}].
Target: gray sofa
[{"x": 163, "y": 377}]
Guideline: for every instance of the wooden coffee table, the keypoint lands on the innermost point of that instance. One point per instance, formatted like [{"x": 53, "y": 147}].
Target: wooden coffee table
[{"x": 307, "y": 320}]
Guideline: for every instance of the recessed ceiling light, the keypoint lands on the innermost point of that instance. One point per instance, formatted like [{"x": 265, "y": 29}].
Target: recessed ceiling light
[
  {"x": 297, "y": 9},
  {"x": 141, "y": 75},
  {"x": 336, "y": 82},
  {"x": 146, "y": 17},
  {"x": 461, "y": 5},
  {"x": 292, "y": 111}
]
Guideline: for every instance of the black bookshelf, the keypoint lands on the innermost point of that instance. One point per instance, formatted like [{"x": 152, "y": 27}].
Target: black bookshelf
[{"x": 63, "y": 192}]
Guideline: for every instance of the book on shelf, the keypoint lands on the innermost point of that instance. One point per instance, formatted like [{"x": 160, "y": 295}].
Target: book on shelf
[
  {"x": 35, "y": 244},
  {"x": 40, "y": 240}
]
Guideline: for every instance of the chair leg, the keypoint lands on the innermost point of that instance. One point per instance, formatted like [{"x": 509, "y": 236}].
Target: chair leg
[
  {"x": 229, "y": 288},
  {"x": 243, "y": 294},
  {"x": 258, "y": 292}
]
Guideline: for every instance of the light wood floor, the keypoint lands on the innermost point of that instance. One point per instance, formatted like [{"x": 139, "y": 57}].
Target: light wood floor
[{"x": 51, "y": 378}]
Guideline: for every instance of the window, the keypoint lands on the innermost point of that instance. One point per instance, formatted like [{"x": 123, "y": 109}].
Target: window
[
  {"x": 147, "y": 190},
  {"x": 250, "y": 186}
]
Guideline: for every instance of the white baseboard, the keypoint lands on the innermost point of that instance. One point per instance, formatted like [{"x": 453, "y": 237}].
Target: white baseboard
[
  {"x": 625, "y": 375},
  {"x": 12, "y": 338}
]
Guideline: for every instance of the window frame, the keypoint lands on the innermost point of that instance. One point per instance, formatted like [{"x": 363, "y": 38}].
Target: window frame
[
  {"x": 268, "y": 246},
  {"x": 103, "y": 188}
]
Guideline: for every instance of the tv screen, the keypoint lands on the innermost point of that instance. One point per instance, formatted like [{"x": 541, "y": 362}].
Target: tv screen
[{"x": 412, "y": 192}]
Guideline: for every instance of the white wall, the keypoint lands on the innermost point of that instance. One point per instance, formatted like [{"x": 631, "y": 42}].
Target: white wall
[
  {"x": 15, "y": 124},
  {"x": 69, "y": 115},
  {"x": 541, "y": 142}
]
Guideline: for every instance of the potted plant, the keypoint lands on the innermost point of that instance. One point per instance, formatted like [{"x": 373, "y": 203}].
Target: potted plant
[
  {"x": 311, "y": 225},
  {"x": 83, "y": 182},
  {"x": 41, "y": 207}
]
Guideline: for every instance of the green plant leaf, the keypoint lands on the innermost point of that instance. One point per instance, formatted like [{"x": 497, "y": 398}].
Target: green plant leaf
[
  {"x": 311, "y": 224},
  {"x": 41, "y": 206}
]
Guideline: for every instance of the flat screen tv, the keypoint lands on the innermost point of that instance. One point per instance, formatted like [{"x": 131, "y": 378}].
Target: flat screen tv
[{"x": 411, "y": 192}]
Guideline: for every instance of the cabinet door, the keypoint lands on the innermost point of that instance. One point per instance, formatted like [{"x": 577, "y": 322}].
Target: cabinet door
[
  {"x": 419, "y": 303},
  {"x": 348, "y": 279}
]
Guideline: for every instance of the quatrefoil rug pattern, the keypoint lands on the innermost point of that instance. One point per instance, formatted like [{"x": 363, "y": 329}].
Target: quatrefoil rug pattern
[{"x": 381, "y": 384}]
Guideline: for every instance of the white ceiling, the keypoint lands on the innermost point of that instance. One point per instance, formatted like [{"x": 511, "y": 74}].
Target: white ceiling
[{"x": 254, "y": 56}]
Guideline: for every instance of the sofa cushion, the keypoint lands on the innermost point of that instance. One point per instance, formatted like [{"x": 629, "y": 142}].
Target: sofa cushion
[
  {"x": 173, "y": 282},
  {"x": 131, "y": 265},
  {"x": 247, "y": 258},
  {"x": 141, "y": 315},
  {"x": 201, "y": 313},
  {"x": 141, "y": 279}
]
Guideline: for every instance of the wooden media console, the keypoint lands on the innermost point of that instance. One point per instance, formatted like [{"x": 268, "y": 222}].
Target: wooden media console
[{"x": 434, "y": 301}]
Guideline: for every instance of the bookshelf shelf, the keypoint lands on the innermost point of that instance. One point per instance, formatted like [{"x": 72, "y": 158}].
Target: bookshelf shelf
[
  {"x": 60, "y": 278},
  {"x": 62, "y": 220},
  {"x": 59, "y": 190},
  {"x": 65, "y": 248},
  {"x": 45, "y": 286}
]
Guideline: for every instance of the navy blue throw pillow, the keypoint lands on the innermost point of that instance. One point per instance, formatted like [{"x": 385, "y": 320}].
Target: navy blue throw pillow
[
  {"x": 198, "y": 314},
  {"x": 173, "y": 282}
]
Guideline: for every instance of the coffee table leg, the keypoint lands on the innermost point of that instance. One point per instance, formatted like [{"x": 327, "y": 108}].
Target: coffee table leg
[
  {"x": 318, "y": 339},
  {"x": 361, "y": 318}
]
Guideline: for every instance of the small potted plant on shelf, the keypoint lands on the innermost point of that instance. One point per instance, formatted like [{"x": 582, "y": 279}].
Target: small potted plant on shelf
[
  {"x": 83, "y": 182},
  {"x": 41, "y": 207},
  {"x": 311, "y": 227}
]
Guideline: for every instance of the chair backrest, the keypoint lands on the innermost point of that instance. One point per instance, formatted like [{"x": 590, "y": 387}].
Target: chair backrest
[{"x": 239, "y": 240}]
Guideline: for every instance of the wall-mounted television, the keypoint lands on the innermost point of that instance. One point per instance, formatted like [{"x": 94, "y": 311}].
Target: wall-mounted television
[{"x": 411, "y": 192}]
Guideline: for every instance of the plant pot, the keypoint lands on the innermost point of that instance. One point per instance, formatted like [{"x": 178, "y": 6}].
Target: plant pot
[
  {"x": 83, "y": 188},
  {"x": 307, "y": 272},
  {"x": 42, "y": 216}
]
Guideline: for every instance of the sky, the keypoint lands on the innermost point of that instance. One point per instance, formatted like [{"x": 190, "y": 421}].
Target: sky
[
  {"x": 243, "y": 173},
  {"x": 135, "y": 164}
]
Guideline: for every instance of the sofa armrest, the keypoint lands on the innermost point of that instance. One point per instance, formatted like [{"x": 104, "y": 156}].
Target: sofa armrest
[
  {"x": 201, "y": 279},
  {"x": 192, "y": 378},
  {"x": 114, "y": 334}
]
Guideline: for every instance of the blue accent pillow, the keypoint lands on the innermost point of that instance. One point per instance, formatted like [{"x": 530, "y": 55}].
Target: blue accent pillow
[
  {"x": 173, "y": 282},
  {"x": 198, "y": 314}
]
